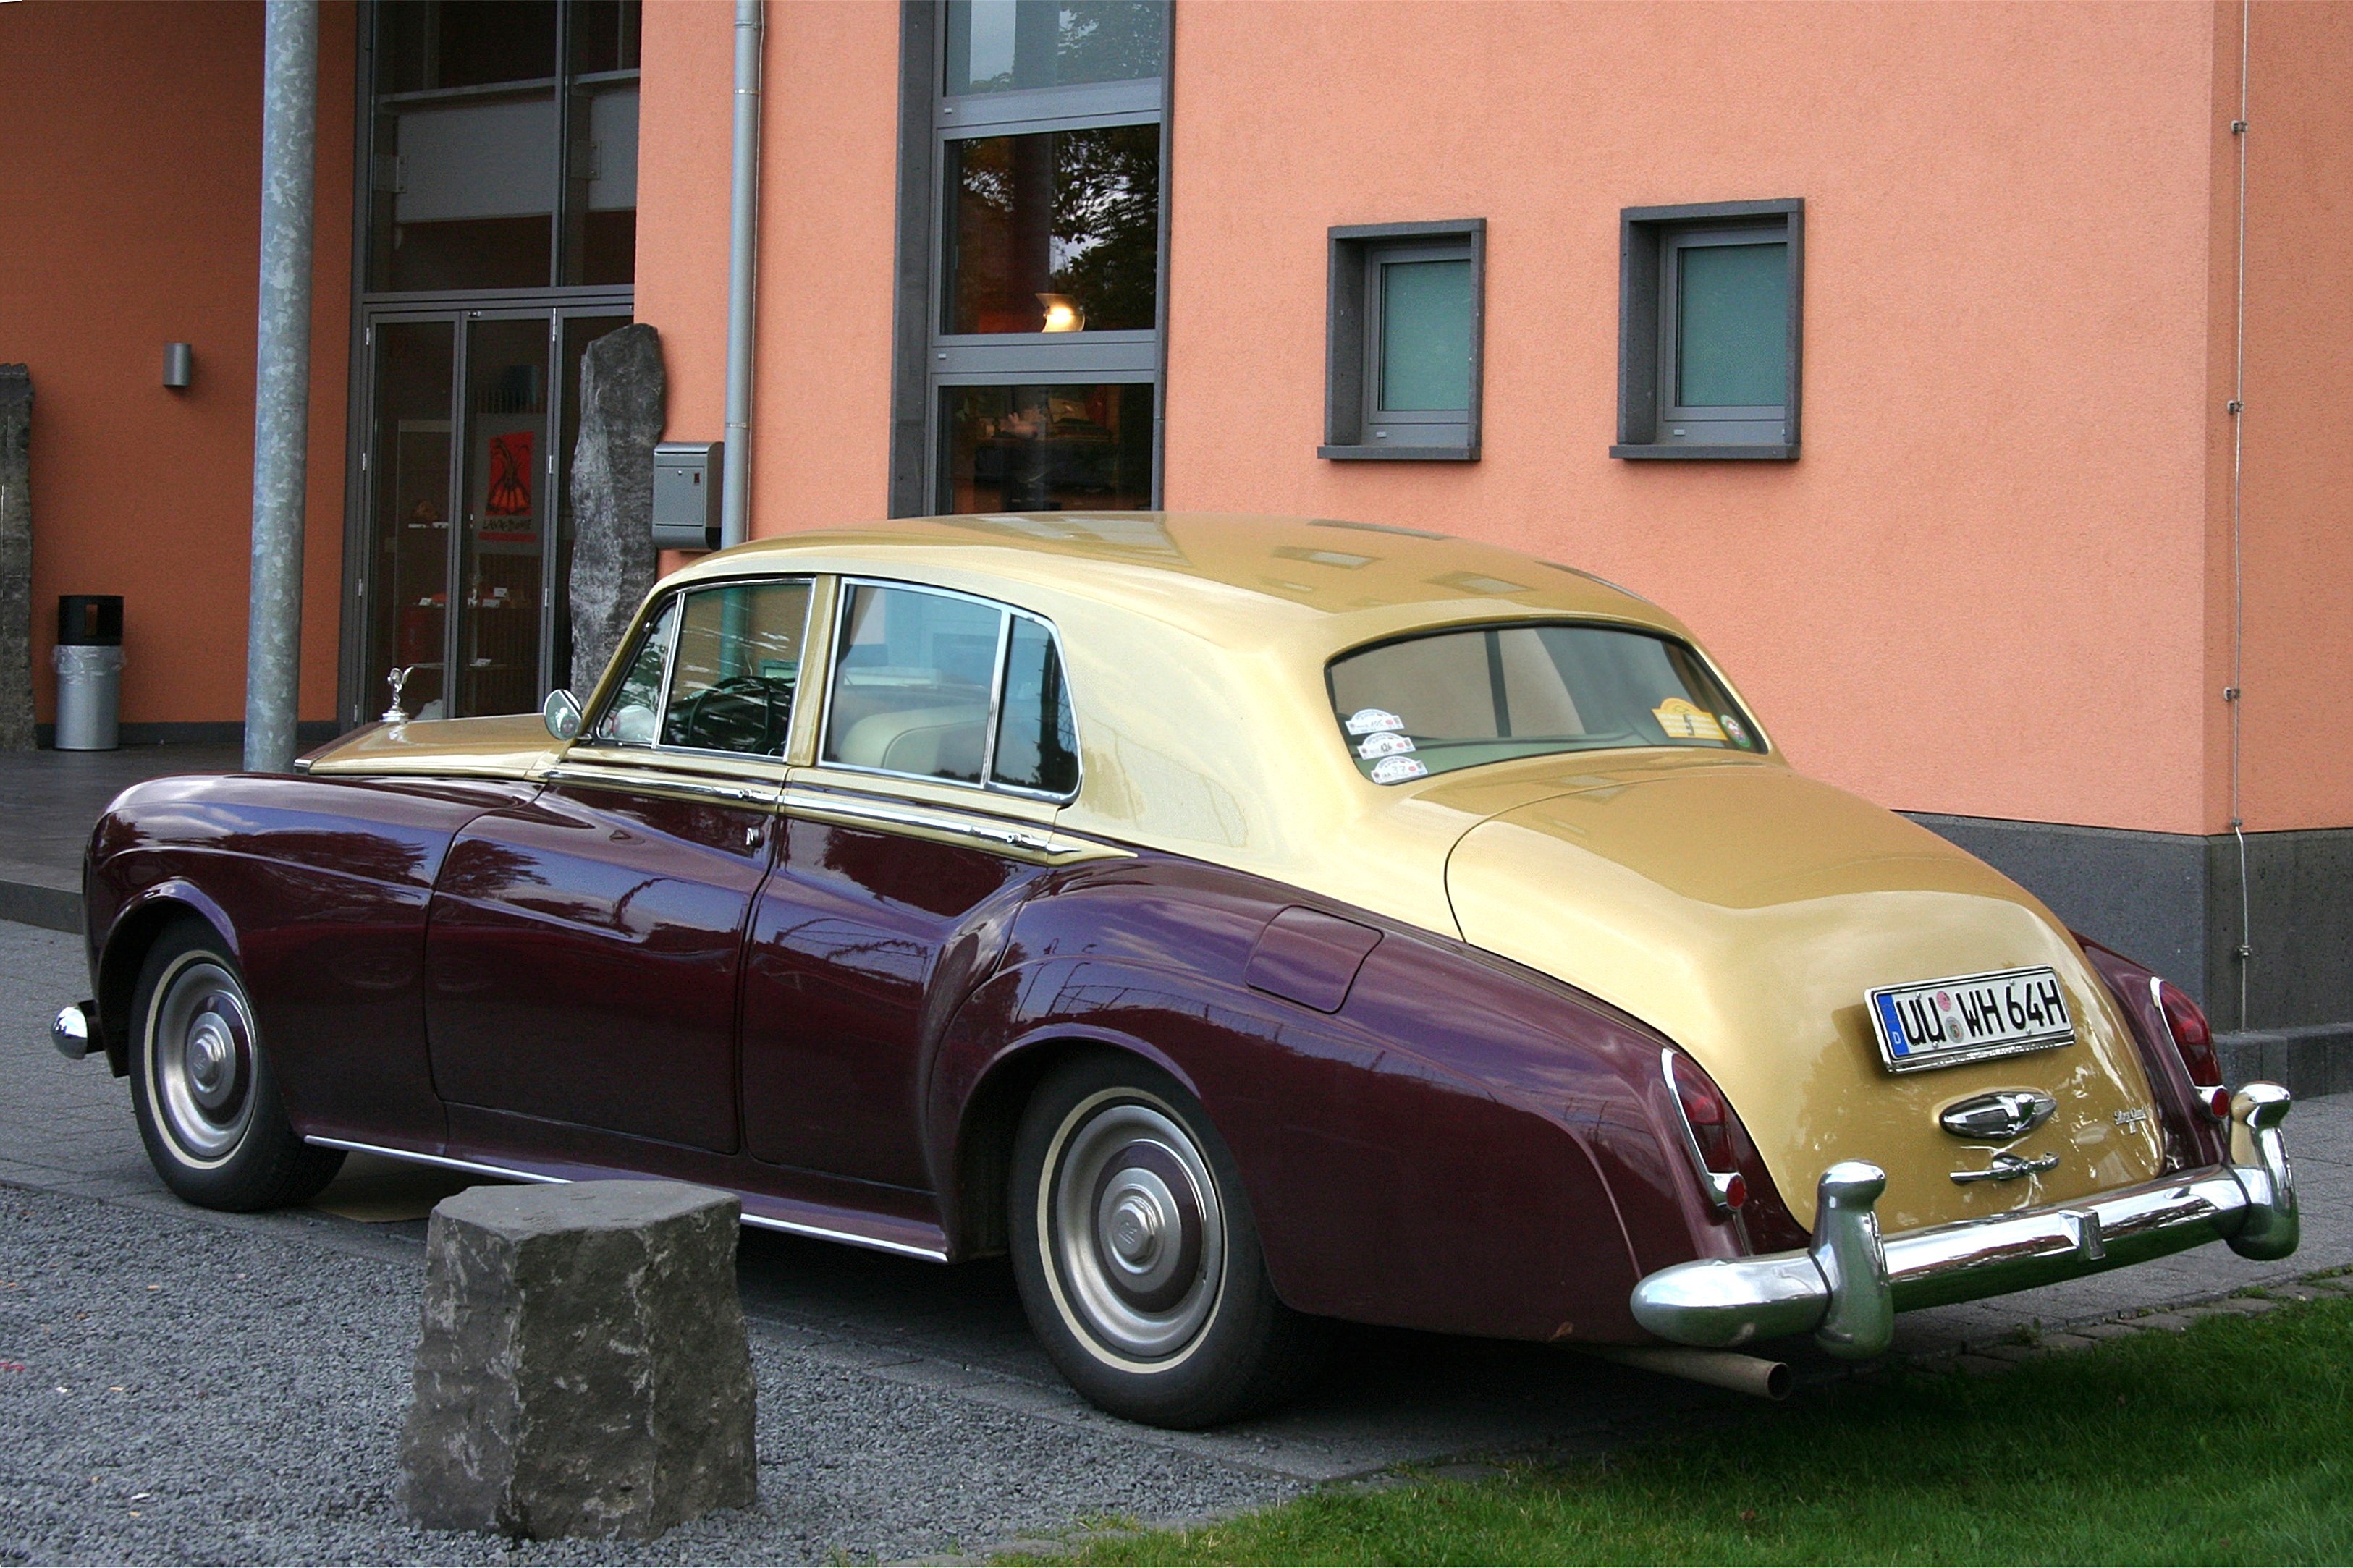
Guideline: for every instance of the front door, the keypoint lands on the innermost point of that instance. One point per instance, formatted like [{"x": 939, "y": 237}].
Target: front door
[
  {"x": 472, "y": 416},
  {"x": 584, "y": 953}
]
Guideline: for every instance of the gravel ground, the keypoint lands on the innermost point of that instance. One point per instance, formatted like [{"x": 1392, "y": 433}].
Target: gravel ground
[{"x": 173, "y": 1391}]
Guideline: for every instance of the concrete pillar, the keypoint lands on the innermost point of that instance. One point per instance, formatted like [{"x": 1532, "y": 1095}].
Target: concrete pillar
[{"x": 281, "y": 412}]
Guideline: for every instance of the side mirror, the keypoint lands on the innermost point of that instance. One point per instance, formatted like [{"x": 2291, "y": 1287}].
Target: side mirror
[{"x": 562, "y": 712}]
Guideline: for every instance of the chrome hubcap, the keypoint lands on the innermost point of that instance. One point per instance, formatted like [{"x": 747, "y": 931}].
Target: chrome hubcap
[
  {"x": 1135, "y": 1234},
  {"x": 200, "y": 1055}
]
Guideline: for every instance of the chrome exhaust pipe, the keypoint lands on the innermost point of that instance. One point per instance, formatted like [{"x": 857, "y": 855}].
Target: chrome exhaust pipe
[{"x": 1749, "y": 1374}]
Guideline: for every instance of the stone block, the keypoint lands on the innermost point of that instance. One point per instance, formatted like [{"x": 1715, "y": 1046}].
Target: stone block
[
  {"x": 584, "y": 1369},
  {"x": 614, "y": 562},
  {"x": 17, "y": 560}
]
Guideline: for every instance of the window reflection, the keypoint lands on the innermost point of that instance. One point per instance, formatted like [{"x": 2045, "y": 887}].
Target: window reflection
[
  {"x": 465, "y": 176},
  {"x": 1037, "y": 745},
  {"x": 1055, "y": 232},
  {"x": 1048, "y": 449},
  {"x": 999, "y": 46},
  {"x": 737, "y": 667},
  {"x": 911, "y": 686}
]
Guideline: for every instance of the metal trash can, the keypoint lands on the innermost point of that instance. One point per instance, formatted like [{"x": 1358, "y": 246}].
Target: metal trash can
[{"x": 88, "y": 656}]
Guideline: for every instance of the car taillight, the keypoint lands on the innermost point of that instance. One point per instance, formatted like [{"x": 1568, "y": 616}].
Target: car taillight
[
  {"x": 1707, "y": 1121},
  {"x": 2193, "y": 1037}
]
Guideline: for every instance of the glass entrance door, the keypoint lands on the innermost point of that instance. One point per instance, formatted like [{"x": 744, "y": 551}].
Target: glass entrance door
[
  {"x": 405, "y": 587},
  {"x": 505, "y": 509},
  {"x": 472, "y": 417}
]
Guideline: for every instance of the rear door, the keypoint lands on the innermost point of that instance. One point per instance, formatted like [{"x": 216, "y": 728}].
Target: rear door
[
  {"x": 585, "y": 948},
  {"x": 946, "y": 751}
]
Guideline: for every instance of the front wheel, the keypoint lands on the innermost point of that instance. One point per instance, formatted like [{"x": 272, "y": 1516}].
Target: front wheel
[
  {"x": 1137, "y": 1256},
  {"x": 201, "y": 1086}
]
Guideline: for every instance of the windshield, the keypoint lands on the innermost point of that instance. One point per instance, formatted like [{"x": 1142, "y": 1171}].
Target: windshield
[{"x": 1452, "y": 699}]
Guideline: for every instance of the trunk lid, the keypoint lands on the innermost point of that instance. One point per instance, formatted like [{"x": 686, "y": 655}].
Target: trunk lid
[{"x": 1744, "y": 910}]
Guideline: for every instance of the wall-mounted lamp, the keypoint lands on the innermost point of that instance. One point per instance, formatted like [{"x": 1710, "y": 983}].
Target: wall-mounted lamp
[
  {"x": 179, "y": 364},
  {"x": 1064, "y": 314}
]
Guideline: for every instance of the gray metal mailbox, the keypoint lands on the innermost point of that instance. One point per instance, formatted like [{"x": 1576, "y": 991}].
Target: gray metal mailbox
[{"x": 686, "y": 494}]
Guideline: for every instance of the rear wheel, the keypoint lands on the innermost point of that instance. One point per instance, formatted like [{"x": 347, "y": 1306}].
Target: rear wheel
[
  {"x": 1137, "y": 1255},
  {"x": 201, "y": 1086}
]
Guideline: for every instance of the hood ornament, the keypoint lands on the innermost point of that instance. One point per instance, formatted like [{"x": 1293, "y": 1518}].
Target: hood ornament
[
  {"x": 1999, "y": 1117},
  {"x": 397, "y": 680}
]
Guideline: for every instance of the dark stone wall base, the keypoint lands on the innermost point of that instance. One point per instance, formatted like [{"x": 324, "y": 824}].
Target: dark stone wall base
[
  {"x": 30, "y": 903},
  {"x": 2308, "y": 1062},
  {"x": 2172, "y": 900}
]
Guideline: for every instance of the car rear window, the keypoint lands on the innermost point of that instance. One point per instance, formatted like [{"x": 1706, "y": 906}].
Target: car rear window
[{"x": 1444, "y": 701}]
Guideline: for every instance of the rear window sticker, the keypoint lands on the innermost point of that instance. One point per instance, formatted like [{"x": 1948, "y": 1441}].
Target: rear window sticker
[
  {"x": 1732, "y": 728},
  {"x": 1397, "y": 769},
  {"x": 1368, "y": 720},
  {"x": 1682, "y": 721},
  {"x": 1386, "y": 744}
]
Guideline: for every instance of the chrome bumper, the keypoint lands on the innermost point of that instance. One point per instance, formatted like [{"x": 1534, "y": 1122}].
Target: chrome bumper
[
  {"x": 1847, "y": 1288},
  {"x": 70, "y": 1030}
]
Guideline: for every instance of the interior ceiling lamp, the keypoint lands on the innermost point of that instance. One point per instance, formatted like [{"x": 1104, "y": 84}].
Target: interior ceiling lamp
[{"x": 1064, "y": 314}]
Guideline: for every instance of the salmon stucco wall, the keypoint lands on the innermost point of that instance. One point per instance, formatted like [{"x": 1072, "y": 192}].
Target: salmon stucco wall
[
  {"x": 2297, "y": 479},
  {"x": 1979, "y": 589},
  {"x": 130, "y": 214},
  {"x": 830, "y": 144}
]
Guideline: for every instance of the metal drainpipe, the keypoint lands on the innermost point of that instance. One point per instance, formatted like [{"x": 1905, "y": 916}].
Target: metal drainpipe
[
  {"x": 281, "y": 402},
  {"x": 743, "y": 266}
]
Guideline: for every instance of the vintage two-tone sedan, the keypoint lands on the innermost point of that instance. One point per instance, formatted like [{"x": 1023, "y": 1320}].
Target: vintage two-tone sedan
[{"x": 1243, "y": 922}]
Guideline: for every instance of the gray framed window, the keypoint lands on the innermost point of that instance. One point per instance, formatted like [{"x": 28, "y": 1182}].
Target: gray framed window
[
  {"x": 1032, "y": 243},
  {"x": 1404, "y": 328},
  {"x": 1710, "y": 331}
]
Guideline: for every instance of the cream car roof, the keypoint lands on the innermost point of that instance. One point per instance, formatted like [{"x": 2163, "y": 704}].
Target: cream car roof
[{"x": 1196, "y": 646}]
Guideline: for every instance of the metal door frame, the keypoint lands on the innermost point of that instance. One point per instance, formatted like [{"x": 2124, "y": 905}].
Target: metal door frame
[{"x": 355, "y": 703}]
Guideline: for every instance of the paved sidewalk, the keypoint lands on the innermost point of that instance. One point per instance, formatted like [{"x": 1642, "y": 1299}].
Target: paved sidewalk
[
  {"x": 905, "y": 1408},
  {"x": 49, "y": 801}
]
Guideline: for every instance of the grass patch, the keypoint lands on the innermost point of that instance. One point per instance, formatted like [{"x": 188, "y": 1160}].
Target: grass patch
[{"x": 2233, "y": 1442}]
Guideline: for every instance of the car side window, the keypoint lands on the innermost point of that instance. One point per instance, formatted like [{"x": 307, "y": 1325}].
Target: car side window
[
  {"x": 737, "y": 667},
  {"x": 1037, "y": 745},
  {"x": 630, "y": 718},
  {"x": 912, "y": 681}
]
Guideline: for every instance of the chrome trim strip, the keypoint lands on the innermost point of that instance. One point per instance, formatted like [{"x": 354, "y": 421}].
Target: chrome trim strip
[
  {"x": 1847, "y": 1287},
  {"x": 872, "y": 1243},
  {"x": 471, "y": 1167},
  {"x": 477, "y": 1168},
  {"x": 896, "y": 813},
  {"x": 1030, "y": 840},
  {"x": 657, "y": 781},
  {"x": 1718, "y": 1185},
  {"x": 2203, "y": 1092}
]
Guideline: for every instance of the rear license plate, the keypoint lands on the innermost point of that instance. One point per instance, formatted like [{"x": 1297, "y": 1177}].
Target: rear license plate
[{"x": 1968, "y": 1018}]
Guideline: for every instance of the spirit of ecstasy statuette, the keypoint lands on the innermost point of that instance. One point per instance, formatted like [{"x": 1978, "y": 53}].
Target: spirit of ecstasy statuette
[{"x": 397, "y": 715}]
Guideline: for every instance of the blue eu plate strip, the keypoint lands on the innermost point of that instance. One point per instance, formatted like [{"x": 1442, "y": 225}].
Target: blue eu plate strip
[{"x": 1895, "y": 1038}]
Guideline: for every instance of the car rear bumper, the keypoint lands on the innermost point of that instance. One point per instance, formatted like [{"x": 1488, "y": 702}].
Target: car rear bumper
[{"x": 1848, "y": 1286}]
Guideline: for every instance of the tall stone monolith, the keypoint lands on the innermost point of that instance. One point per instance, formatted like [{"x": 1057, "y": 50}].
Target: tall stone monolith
[
  {"x": 16, "y": 558},
  {"x": 613, "y": 559}
]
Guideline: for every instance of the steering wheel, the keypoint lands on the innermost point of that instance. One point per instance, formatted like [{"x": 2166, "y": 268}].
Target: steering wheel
[{"x": 742, "y": 713}]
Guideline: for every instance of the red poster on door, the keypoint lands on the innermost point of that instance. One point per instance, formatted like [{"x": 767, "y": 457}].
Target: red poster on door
[{"x": 510, "y": 494}]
